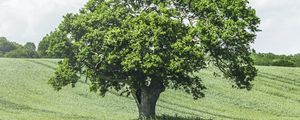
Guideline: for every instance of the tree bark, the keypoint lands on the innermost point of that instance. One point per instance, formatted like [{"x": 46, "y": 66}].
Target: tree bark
[{"x": 146, "y": 99}]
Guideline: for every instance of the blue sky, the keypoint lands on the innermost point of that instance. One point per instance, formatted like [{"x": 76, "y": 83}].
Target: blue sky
[{"x": 29, "y": 20}]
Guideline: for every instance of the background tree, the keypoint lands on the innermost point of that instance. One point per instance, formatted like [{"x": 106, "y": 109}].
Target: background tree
[
  {"x": 30, "y": 46},
  {"x": 5, "y": 45},
  {"x": 22, "y": 53},
  {"x": 142, "y": 47},
  {"x": 15, "y": 50},
  {"x": 43, "y": 47},
  {"x": 26, "y": 51},
  {"x": 296, "y": 59}
]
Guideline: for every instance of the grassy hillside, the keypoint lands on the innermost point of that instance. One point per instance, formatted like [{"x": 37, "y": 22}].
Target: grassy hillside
[{"x": 25, "y": 95}]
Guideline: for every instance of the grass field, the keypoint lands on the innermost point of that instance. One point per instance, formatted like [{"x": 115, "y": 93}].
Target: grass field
[{"x": 25, "y": 95}]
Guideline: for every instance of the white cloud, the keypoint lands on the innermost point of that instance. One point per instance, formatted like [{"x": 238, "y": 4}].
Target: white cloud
[
  {"x": 30, "y": 20},
  {"x": 280, "y": 26}
]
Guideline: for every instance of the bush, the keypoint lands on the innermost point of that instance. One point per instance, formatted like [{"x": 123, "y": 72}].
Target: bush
[
  {"x": 22, "y": 53},
  {"x": 6, "y": 46},
  {"x": 270, "y": 59},
  {"x": 281, "y": 62},
  {"x": 15, "y": 50}
]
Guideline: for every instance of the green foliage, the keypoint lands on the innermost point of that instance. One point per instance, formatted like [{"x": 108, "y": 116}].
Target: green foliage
[
  {"x": 263, "y": 59},
  {"x": 296, "y": 58},
  {"x": 43, "y": 47},
  {"x": 270, "y": 59},
  {"x": 132, "y": 44},
  {"x": 63, "y": 73},
  {"x": 280, "y": 62},
  {"x": 6, "y": 46},
  {"x": 25, "y": 96},
  {"x": 1, "y": 54},
  {"x": 22, "y": 53},
  {"x": 15, "y": 50},
  {"x": 60, "y": 45},
  {"x": 30, "y": 46}
]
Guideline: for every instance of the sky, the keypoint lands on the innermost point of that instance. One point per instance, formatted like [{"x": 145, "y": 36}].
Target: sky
[{"x": 30, "y": 20}]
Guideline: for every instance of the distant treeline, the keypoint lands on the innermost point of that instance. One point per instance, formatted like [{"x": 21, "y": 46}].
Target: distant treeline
[
  {"x": 15, "y": 50},
  {"x": 10, "y": 49},
  {"x": 270, "y": 59}
]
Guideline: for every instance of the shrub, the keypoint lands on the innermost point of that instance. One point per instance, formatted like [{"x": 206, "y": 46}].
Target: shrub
[
  {"x": 22, "y": 53},
  {"x": 282, "y": 62}
]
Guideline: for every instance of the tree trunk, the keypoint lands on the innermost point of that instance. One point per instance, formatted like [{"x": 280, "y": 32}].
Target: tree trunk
[{"x": 146, "y": 99}]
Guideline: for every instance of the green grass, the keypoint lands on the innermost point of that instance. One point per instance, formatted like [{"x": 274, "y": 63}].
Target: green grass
[{"x": 25, "y": 95}]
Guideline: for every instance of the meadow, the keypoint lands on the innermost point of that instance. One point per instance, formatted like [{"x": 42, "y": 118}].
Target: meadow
[{"x": 25, "y": 95}]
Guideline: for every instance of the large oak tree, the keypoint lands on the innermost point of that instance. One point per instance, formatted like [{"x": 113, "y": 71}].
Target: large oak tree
[{"x": 142, "y": 47}]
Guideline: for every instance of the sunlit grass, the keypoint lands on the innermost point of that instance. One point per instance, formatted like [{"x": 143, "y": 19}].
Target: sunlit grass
[{"x": 25, "y": 94}]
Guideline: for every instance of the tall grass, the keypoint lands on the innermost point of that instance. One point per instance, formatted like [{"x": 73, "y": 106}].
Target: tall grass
[{"x": 25, "y": 95}]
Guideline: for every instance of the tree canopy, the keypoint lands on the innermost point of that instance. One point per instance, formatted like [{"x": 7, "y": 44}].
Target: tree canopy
[
  {"x": 59, "y": 45},
  {"x": 30, "y": 46},
  {"x": 142, "y": 47},
  {"x": 6, "y": 46}
]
